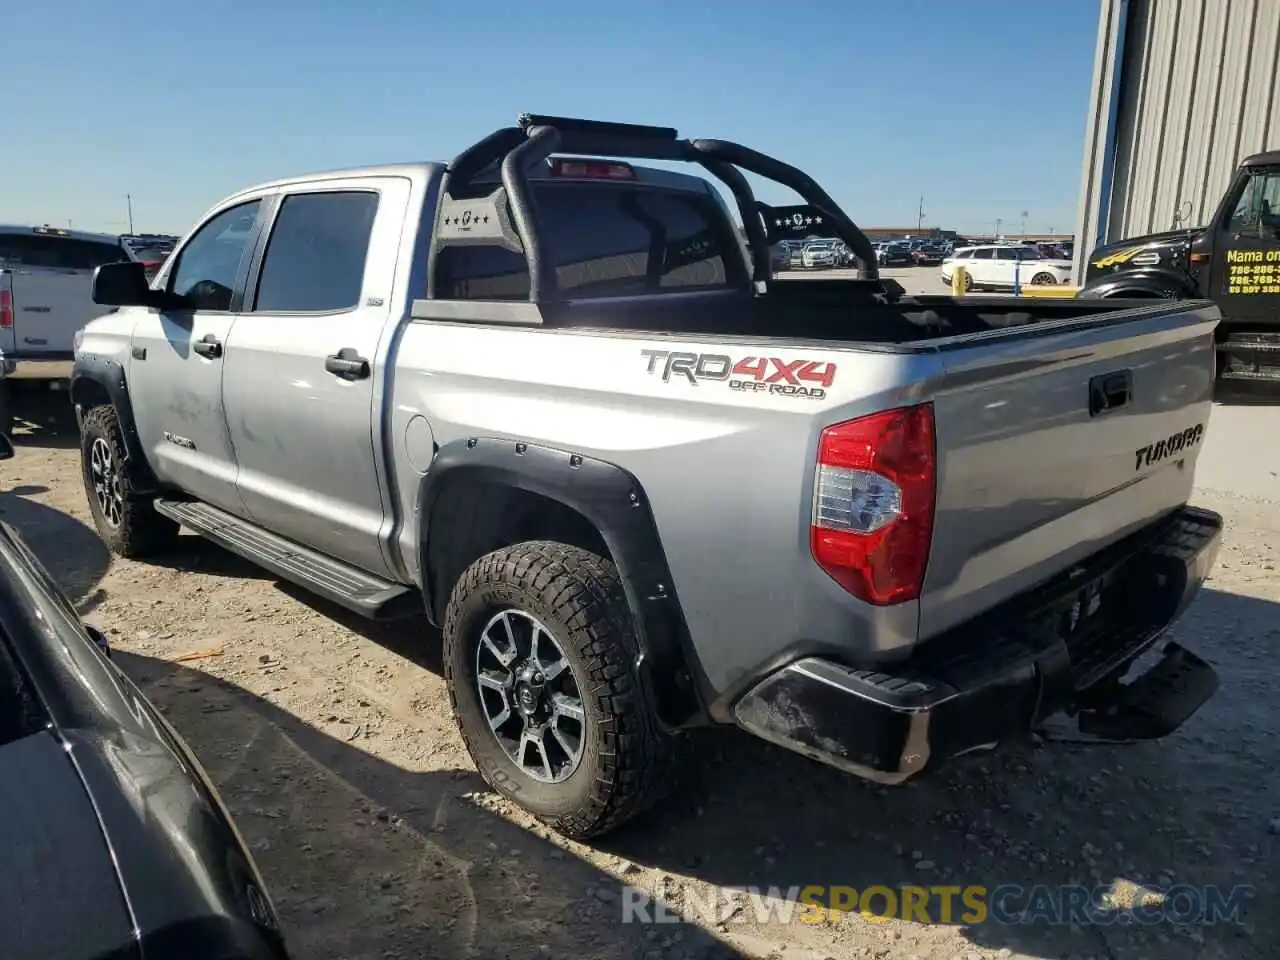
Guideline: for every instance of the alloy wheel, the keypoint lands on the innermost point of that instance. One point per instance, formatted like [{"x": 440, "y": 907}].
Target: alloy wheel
[
  {"x": 105, "y": 474},
  {"x": 529, "y": 696}
]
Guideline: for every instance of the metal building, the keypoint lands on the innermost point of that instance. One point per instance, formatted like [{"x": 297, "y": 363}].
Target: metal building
[{"x": 1182, "y": 91}]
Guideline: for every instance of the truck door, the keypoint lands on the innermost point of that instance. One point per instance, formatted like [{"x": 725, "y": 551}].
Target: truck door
[
  {"x": 304, "y": 374},
  {"x": 1246, "y": 252},
  {"x": 176, "y": 359}
]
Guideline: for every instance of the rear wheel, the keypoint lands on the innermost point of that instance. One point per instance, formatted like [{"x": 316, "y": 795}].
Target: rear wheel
[
  {"x": 126, "y": 520},
  {"x": 538, "y": 657}
]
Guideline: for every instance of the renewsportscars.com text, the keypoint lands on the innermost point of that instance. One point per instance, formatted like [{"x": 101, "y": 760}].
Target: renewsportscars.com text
[{"x": 966, "y": 905}]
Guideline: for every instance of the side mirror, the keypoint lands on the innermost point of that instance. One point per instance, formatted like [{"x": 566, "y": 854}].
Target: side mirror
[
  {"x": 6, "y": 447},
  {"x": 122, "y": 284}
]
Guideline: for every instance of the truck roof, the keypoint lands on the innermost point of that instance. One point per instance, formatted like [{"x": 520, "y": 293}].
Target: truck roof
[
  {"x": 653, "y": 176},
  {"x": 1266, "y": 159},
  {"x": 46, "y": 230}
]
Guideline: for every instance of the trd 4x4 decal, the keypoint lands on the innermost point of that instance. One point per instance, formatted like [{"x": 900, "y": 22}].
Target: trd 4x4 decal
[{"x": 789, "y": 378}]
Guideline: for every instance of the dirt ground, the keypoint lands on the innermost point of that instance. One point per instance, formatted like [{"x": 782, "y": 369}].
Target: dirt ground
[{"x": 331, "y": 742}]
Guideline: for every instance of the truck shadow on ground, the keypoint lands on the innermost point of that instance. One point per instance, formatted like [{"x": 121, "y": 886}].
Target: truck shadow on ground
[
  {"x": 44, "y": 418},
  {"x": 1049, "y": 816},
  {"x": 72, "y": 552},
  {"x": 366, "y": 859},
  {"x": 1192, "y": 809}
]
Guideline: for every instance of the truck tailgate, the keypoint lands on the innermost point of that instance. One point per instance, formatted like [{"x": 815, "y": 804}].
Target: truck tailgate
[
  {"x": 49, "y": 306},
  {"x": 1056, "y": 440}
]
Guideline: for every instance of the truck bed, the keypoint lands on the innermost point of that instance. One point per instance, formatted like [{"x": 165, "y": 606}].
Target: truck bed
[
  {"x": 848, "y": 311},
  {"x": 1030, "y": 479}
]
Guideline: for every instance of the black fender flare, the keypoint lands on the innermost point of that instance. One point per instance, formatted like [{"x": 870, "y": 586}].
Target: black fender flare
[
  {"x": 92, "y": 376},
  {"x": 1140, "y": 283},
  {"x": 613, "y": 501}
]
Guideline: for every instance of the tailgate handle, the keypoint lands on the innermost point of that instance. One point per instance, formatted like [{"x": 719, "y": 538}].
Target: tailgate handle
[{"x": 1107, "y": 391}]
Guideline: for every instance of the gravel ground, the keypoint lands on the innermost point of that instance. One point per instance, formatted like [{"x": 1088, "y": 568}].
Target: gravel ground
[{"x": 331, "y": 741}]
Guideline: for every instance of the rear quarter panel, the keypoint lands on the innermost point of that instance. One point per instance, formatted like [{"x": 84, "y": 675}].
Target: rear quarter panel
[{"x": 728, "y": 473}]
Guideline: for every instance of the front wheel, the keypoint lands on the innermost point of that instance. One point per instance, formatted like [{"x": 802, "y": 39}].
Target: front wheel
[
  {"x": 1043, "y": 279},
  {"x": 126, "y": 520},
  {"x": 539, "y": 651}
]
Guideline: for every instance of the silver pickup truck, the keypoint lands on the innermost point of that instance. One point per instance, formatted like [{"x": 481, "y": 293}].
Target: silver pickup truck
[{"x": 547, "y": 395}]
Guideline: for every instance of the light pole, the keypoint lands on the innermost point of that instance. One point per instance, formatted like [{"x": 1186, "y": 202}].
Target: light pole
[
  {"x": 920, "y": 216},
  {"x": 999, "y": 220},
  {"x": 128, "y": 198},
  {"x": 1024, "y": 224}
]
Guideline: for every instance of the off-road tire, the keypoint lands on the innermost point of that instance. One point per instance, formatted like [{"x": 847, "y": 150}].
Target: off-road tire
[
  {"x": 141, "y": 531},
  {"x": 579, "y": 597}
]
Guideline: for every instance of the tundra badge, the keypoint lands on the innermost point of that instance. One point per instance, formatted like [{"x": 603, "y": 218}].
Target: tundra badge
[{"x": 1155, "y": 452}]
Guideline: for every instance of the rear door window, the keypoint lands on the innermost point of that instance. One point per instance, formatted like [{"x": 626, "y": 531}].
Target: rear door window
[
  {"x": 606, "y": 240},
  {"x": 316, "y": 254}
]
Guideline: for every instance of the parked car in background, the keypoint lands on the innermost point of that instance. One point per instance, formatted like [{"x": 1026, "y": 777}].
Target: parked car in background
[
  {"x": 999, "y": 266},
  {"x": 818, "y": 254},
  {"x": 780, "y": 256},
  {"x": 797, "y": 253},
  {"x": 893, "y": 255},
  {"x": 46, "y": 276},
  {"x": 150, "y": 249},
  {"x": 115, "y": 843},
  {"x": 927, "y": 256}
]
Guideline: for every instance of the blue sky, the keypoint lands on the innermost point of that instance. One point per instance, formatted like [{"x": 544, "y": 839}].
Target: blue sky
[{"x": 979, "y": 105}]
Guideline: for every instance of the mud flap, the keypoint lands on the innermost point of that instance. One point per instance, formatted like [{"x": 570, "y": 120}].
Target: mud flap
[{"x": 1156, "y": 703}]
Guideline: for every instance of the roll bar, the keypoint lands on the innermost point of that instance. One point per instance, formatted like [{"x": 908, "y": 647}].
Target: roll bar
[{"x": 514, "y": 150}]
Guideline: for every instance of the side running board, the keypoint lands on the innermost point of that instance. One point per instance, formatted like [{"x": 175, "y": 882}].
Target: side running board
[{"x": 358, "y": 591}]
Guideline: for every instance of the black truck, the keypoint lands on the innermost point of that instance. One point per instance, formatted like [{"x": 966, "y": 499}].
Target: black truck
[{"x": 1233, "y": 261}]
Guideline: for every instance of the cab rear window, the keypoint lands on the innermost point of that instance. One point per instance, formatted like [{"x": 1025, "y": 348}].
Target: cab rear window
[
  {"x": 606, "y": 240},
  {"x": 57, "y": 253}
]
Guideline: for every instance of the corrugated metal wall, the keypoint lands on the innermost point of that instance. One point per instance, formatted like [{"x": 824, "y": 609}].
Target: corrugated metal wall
[{"x": 1183, "y": 89}]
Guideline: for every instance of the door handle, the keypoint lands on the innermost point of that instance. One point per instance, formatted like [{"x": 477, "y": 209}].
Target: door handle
[
  {"x": 208, "y": 346},
  {"x": 346, "y": 363},
  {"x": 1108, "y": 391}
]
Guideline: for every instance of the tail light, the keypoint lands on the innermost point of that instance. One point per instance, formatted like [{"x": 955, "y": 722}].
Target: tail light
[
  {"x": 873, "y": 503},
  {"x": 591, "y": 169},
  {"x": 6, "y": 309}
]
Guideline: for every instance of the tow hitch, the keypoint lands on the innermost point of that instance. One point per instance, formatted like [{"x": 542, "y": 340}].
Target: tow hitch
[{"x": 1152, "y": 706}]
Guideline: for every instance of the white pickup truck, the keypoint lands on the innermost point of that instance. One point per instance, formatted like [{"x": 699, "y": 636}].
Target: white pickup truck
[{"x": 46, "y": 275}]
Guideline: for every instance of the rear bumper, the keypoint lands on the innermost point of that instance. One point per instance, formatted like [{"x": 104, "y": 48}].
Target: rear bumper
[{"x": 995, "y": 678}]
